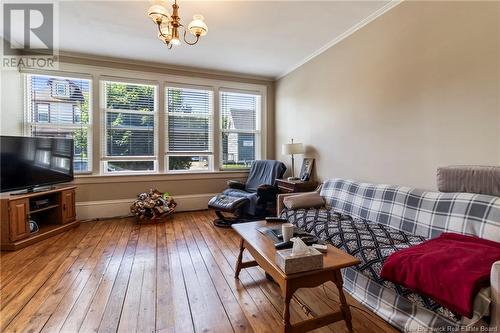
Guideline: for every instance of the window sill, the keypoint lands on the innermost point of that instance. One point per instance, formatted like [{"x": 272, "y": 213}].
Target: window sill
[{"x": 171, "y": 176}]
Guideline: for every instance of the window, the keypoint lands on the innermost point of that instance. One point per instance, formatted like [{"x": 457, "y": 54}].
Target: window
[
  {"x": 129, "y": 127},
  {"x": 52, "y": 115},
  {"x": 240, "y": 129},
  {"x": 206, "y": 124},
  {"x": 189, "y": 129},
  {"x": 42, "y": 112},
  {"x": 60, "y": 89}
]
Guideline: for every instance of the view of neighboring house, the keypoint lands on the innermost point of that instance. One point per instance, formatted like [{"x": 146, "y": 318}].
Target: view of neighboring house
[
  {"x": 238, "y": 148},
  {"x": 59, "y": 107},
  {"x": 56, "y": 101}
]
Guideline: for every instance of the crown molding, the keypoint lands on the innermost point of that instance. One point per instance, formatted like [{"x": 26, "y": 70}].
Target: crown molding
[
  {"x": 379, "y": 12},
  {"x": 93, "y": 59}
]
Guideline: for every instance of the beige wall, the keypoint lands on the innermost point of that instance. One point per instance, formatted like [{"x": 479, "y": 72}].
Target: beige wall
[
  {"x": 114, "y": 188},
  {"x": 415, "y": 89},
  {"x": 103, "y": 188},
  {"x": 11, "y": 120}
]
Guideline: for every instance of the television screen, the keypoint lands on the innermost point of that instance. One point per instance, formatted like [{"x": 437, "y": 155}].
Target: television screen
[{"x": 27, "y": 162}]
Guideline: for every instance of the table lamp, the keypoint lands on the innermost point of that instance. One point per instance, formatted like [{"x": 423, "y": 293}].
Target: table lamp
[{"x": 292, "y": 149}]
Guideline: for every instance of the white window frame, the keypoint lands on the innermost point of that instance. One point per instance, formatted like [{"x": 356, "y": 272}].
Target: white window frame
[
  {"x": 103, "y": 112},
  {"x": 28, "y": 117},
  {"x": 259, "y": 128},
  {"x": 160, "y": 78},
  {"x": 211, "y": 117}
]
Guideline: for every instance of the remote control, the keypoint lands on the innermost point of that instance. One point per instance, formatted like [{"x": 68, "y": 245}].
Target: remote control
[
  {"x": 275, "y": 219},
  {"x": 320, "y": 247},
  {"x": 283, "y": 245}
]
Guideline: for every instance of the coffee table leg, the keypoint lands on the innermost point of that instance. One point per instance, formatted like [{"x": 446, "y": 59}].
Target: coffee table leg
[
  {"x": 286, "y": 311},
  {"x": 344, "y": 306},
  {"x": 240, "y": 259}
]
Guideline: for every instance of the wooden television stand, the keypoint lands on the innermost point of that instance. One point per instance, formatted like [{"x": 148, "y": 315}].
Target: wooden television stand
[{"x": 58, "y": 214}]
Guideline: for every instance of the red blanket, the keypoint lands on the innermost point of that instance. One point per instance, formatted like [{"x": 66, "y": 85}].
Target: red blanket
[{"x": 450, "y": 269}]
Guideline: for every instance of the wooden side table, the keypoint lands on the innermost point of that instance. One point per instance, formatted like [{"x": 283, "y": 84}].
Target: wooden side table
[{"x": 295, "y": 186}]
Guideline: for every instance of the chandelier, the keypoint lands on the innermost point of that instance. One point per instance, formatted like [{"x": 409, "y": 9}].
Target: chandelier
[{"x": 170, "y": 25}]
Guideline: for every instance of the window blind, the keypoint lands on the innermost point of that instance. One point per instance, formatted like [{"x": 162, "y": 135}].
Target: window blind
[
  {"x": 130, "y": 129},
  {"x": 189, "y": 128},
  {"x": 60, "y": 107},
  {"x": 240, "y": 129}
]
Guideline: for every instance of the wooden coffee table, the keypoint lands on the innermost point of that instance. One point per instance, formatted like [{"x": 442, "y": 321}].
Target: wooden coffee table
[{"x": 262, "y": 249}]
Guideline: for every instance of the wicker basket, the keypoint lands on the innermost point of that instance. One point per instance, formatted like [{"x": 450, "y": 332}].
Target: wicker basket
[{"x": 162, "y": 219}]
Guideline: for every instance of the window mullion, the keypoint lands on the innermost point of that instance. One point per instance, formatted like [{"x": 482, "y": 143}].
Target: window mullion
[
  {"x": 129, "y": 111},
  {"x": 216, "y": 137},
  {"x": 129, "y": 158},
  {"x": 161, "y": 128},
  {"x": 189, "y": 153}
]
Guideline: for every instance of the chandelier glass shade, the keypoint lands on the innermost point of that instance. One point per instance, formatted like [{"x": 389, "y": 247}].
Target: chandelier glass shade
[{"x": 169, "y": 25}]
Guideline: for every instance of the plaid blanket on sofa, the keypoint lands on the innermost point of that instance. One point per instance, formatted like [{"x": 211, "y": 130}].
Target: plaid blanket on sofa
[{"x": 415, "y": 213}]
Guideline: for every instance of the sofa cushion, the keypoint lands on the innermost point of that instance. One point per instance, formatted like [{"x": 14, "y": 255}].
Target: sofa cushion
[
  {"x": 469, "y": 178},
  {"x": 372, "y": 243},
  {"x": 308, "y": 200}
]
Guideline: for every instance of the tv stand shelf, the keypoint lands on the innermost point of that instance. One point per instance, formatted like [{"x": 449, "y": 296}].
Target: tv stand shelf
[
  {"x": 55, "y": 216},
  {"x": 43, "y": 209}
]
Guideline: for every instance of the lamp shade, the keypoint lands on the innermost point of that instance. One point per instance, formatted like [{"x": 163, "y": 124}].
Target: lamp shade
[
  {"x": 158, "y": 13},
  {"x": 197, "y": 27},
  {"x": 293, "y": 148}
]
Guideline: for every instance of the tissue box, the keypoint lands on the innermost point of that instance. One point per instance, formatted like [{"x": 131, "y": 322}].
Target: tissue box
[{"x": 291, "y": 264}]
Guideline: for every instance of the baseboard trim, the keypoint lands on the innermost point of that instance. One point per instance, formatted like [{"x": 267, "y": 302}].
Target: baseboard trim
[{"x": 111, "y": 208}]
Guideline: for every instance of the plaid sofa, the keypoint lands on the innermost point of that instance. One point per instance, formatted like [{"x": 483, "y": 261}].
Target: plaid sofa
[{"x": 410, "y": 212}]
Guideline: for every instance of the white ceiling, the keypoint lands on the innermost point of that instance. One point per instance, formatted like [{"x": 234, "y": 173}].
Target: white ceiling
[{"x": 248, "y": 37}]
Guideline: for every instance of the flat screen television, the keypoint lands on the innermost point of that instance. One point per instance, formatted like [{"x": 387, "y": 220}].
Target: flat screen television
[{"x": 30, "y": 162}]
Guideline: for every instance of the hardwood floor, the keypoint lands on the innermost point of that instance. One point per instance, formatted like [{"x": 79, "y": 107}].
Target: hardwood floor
[{"x": 115, "y": 275}]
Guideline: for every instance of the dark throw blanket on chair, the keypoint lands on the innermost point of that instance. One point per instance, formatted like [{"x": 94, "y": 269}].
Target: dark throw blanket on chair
[{"x": 450, "y": 269}]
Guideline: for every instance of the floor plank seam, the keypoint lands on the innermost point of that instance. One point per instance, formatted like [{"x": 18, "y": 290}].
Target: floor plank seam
[
  {"x": 185, "y": 287},
  {"x": 100, "y": 239},
  {"x": 124, "y": 231},
  {"x": 213, "y": 284},
  {"x": 225, "y": 277},
  {"x": 44, "y": 281},
  {"x": 135, "y": 229},
  {"x": 114, "y": 226}
]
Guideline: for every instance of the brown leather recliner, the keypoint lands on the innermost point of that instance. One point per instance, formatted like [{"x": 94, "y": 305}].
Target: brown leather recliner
[{"x": 252, "y": 200}]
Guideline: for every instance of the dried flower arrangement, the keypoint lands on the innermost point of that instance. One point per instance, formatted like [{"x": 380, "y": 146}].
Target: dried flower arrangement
[{"x": 152, "y": 206}]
